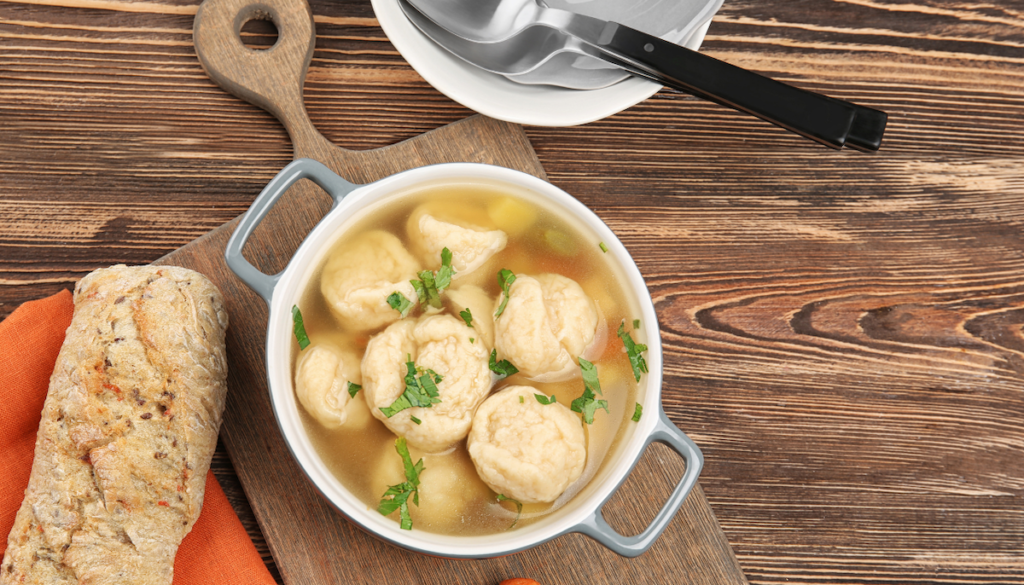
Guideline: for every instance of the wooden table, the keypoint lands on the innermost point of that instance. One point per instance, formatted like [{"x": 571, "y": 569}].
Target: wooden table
[{"x": 843, "y": 331}]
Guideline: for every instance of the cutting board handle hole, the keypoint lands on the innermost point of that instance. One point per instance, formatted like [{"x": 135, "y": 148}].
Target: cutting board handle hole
[{"x": 259, "y": 32}]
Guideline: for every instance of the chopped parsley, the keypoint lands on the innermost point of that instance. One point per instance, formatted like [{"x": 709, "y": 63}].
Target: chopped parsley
[
  {"x": 505, "y": 280},
  {"x": 603, "y": 247},
  {"x": 587, "y": 404},
  {"x": 353, "y": 389},
  {"x": 298, "y": 328},
  {"x": 544, "y": 399},
  {"x": 421, "y": 290},
  {"x": 398, "y": 302},
  {"x": 446, "y": 272},
  {"x": 504, "y": 368},
  {"x": 636, "y": 324},
  {"x": 520, "y": 400},
  {"x": 432, "y": 296},
  {"x": 590, "y": 379},
  {"x": 638, "y": 412},
  {"x": 431, "y": 284},
  {"x": 397, "y": 496},
  {"x": 633, "y": 350},
  {"x": 421, "y": 391},
  {"x": 415, "y": 420},
  {"x": 467, "y": 316},
  {"x": 519, "y": 507}
]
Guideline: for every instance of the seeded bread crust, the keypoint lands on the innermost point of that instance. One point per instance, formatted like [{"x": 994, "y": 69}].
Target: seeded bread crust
[{"x": 127, "y": 432}]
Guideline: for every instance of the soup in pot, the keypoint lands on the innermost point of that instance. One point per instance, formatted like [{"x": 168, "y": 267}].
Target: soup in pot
[{"x": 472, "y": 357}]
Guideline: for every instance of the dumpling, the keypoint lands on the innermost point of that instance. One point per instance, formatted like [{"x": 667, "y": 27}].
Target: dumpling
[
  {"x": 480, "y": 306},
  {"x": 322, "y": 375},
  {"x": 547, "y": 324},
  {"x": 470, "y": 246},
  {"x": 439, "y": 343},
  {"x": 526, "y": 450},
  {"x": 448, "y": 490},
  {"x": 358, "y": 279},
  {"x": 449, "y": 487}
]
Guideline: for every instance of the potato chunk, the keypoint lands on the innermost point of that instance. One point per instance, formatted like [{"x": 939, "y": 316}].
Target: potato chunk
[
  {"x": 358, "y": 279},
  {"x": 322, "y": 374},
  {"x": 548, "y": 323},
  {"x": 440, "y": 343},
  {"x": 526, "y": 450}
]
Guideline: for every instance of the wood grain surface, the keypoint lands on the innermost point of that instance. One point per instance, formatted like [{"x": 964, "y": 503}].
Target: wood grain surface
[{"x": 843, "y": 331}]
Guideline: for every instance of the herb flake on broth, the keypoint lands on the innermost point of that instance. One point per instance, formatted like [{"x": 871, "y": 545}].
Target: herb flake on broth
[
  {"x": 519, "y": 508},
  {"x": 587, "y": 404},
  {"x": 633, "y": 350},
  {"x": 397, "y": 496},
  {"x": 298, "y": 328},
  {"x": 505, "y": 280}
]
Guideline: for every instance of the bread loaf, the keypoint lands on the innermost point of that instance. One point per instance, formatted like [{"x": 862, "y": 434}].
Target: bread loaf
[{"x": 127, "y": 432}]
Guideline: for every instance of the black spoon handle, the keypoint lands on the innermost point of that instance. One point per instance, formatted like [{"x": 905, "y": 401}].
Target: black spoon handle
[{"x": 831, "y": 121}]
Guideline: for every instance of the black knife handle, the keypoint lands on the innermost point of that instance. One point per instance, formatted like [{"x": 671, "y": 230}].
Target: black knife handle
[{"x": 831, "y": 121}]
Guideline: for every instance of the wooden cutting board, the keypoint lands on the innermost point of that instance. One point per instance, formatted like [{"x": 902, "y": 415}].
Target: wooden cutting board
[{"x": 312, "y": 544}]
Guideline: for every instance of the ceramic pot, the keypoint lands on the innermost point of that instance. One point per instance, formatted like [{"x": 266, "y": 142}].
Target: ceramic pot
[{"x": 283, "y": 290}]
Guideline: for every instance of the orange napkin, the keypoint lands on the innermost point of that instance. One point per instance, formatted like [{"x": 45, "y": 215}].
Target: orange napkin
[{"x": 218, "y": 550}]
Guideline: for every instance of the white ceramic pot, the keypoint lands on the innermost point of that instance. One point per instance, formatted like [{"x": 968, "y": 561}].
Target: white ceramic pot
[{"x": 283, "y": 290}]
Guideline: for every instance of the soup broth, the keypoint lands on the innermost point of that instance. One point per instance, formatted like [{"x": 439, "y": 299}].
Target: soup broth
[{"x": 452, "y": 497}]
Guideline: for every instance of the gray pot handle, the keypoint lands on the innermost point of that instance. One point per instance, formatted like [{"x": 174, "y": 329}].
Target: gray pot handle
[
  {"x": 597, "y": 528},
  {"x": 303, "y": 168}
]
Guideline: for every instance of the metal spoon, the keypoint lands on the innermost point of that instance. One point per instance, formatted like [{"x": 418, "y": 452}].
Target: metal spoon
[
  {"x": 512, "y": 37},
  {"x": 569, "y": 69},
  {"x": 673, "y": 20}
]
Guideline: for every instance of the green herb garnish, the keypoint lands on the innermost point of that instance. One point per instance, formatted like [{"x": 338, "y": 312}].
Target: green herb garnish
[
  {"x": 520, "y": 400},
  {"x": 421, "y": 291},
  {"x": 633, "y": 350},
  {"x": 353, "y": 389},
  {"x": 397, "y": 496},
  {"x": 587, "y": 404},
  {"x": 590, "y": 379},
  {"x": 421, "y": 391},
  {"x": 433, "y": 296},
  {"x": 505, "y": 280},
  {"x": 467, "y": 316},
  {"x": 445, "y": 273},
  {"x": 638, "y": 412},
  {"x": 519, "y": 507},
  {"x": 298, "y": 328},
  {"x": 544, "y": 399},
  {"x": 398, "y": 302},
  {"x": 636, "y": 324},
  {"x": 504, "y": 368},
  {"x": 603, "y": 247},
  {"x": 415, "y": 420},
  {"x": 432, "y": 284}
]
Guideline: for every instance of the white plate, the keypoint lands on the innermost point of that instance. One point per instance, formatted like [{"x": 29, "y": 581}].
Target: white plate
[{"x": 543, "y": 105}]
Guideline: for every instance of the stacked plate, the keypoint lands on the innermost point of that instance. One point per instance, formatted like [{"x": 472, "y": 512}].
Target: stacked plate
[{"x": 539, "y": 99}]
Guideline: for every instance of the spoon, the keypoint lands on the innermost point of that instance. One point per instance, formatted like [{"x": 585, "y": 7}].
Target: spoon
[
  {"x": 514, "y": 37},
  {"x": 677, "y": 21}
]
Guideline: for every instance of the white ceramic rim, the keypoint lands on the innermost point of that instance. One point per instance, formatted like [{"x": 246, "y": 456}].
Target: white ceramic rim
[
  {"x": 279, "y": 340},
  {"x": 500, "y": 98}
]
